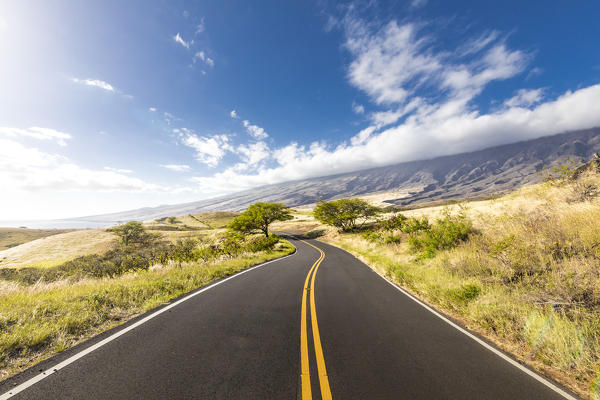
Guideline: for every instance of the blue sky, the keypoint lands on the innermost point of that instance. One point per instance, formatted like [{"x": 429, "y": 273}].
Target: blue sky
[{"x": 107, "y": 106}]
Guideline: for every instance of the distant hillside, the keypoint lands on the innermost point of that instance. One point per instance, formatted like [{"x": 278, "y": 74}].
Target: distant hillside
[{"x": 480, "y": 173}]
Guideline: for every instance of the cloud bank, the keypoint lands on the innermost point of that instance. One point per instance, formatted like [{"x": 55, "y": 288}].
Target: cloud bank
[{"x": 426, "y": 108}]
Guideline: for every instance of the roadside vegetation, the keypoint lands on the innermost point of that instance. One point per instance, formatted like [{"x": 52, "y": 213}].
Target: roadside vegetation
[
  {"x": 523, "y": 270},
  {"x": 45, "y": 310}
]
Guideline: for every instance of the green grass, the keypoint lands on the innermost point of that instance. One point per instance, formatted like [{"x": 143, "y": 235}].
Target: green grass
[
  {"x": 12, "y": 237},
  {"x": 39, "y": 321}
]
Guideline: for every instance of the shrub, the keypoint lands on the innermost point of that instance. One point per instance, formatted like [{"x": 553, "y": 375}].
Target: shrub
[
  {"x": 467, "y": 292},
  {"x": 396, "y": 222},
  {"x": 232, "y": 245},
  {"x": 416, "y": 224},
  {"x": 263, "y": 243},
  {"x": 389, "y": 239},
  {"x": 184, "y": 249},
  {"x": 584, "y": 191},
  {"x": 446, "y": 233},
  {"x": 371, "y": 236},
  {"x": 207, "y": 253},
  {"x": 315, "y": 233}
]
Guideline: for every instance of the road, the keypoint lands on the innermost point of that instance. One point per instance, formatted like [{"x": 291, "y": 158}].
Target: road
[{"x": 317, "y": 324}]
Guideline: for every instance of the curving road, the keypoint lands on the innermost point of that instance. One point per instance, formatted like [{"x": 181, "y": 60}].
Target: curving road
[{"x": 317, "y": 324}]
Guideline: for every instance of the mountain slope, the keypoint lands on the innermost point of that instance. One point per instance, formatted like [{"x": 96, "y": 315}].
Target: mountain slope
[{"x": 485, "y": 172}]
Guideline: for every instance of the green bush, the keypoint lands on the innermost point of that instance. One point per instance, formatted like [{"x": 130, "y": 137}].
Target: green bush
[
  {"x": 314, "y": 234},
  {"x": 184, "y": 250},
  {"x": 467, "y": 292},
  {"x": 394, "y": 223},
  {"x": 207, "y": 253},
  {"x": 263, "y": 244},
  {"x": 416, "y": 225},
  {"x": 371, "y": 236},
  {"x": 389, "y": 239},
  {"x": 446, "y": 233},
  {"x": 404, "y": 224}
]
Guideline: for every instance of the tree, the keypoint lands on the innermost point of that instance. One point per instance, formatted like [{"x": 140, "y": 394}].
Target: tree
[
  {"x": 133, "y": 233},
  {"x": 259, "y": 216},
  {"x": 344, "y": 213}
]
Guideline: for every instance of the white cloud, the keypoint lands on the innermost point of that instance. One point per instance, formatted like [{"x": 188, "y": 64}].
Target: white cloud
[
  {"x": 95, "y": 82},
  {"x": 233, "y": 114},
  {"x": 363, "y": 135},
  {"x": 418, "y": 3},
  {"x": 201, "y": 27},
  {"x": 392, "y": 64},
  {"x": 476, "y": 45},
  {"x": 534, "y": 72},
  {"x": 525, "y": 98},
  {"x": 358, "y": 108},
  {"x": 177, "y": 38},
  {"x": 384, "y": 118},
  {"x": 118, "y": 170},
  {"x": 176, "y": 167},
  {"x": 37, "y": 133},
  {"x": 202, "y": 56},
  {"x": 152, "y": 109},
  {"x": 29, "y": 169},
  {"x": 209, "y": 149},
  {"x": 441, "y": 130},
  {"x": 254, "y": 130},
  {"x": 254, "y": 153}
]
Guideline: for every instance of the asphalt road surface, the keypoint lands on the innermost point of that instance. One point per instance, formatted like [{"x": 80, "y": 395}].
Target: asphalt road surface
[{"x": 317, "y": 324}]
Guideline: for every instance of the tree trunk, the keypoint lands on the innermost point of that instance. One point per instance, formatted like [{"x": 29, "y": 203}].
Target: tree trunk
[{"x": 266, "y": 231}]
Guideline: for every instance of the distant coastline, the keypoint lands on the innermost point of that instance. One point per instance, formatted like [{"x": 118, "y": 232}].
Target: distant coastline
[{"x": 57, "y": 224}]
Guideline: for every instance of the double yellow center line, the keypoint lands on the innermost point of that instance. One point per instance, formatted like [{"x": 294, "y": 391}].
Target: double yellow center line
[{"x": 304, "y": 363}]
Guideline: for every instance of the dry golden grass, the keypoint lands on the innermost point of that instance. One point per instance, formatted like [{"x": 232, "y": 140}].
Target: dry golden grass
[
  {"x": 12, "y": 237},
  {"x": 216, "y": 219},
  {"x": 53, "y": 250}
]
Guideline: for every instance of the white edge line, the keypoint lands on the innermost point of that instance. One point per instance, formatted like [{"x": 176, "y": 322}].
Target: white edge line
[
  {"x": 500, "y": 354},
  {"x": 18, "y": 389}
]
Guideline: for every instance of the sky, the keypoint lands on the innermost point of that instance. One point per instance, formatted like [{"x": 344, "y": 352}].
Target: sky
[{"x": 110, "y": 106}]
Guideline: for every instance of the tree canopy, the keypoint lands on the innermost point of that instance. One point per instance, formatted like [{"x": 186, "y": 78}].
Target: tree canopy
[
  {"x": 259, "y": 216},
  {"x": 344, "y": 214},
  {"x": 133, "y": 233}
]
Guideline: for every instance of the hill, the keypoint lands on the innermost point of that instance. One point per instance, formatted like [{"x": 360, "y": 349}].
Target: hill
[
  {"x": 11, "y": 237},
  {"x": 477, "y": 174}
]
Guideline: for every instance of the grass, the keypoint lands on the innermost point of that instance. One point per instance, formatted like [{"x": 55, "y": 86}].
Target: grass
[
  {"x": 12, "y": 237},
  {"x": 215, "y": 219},
  {"x": 52, "y": 250},
  {"x": 41, "y": 320}
]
